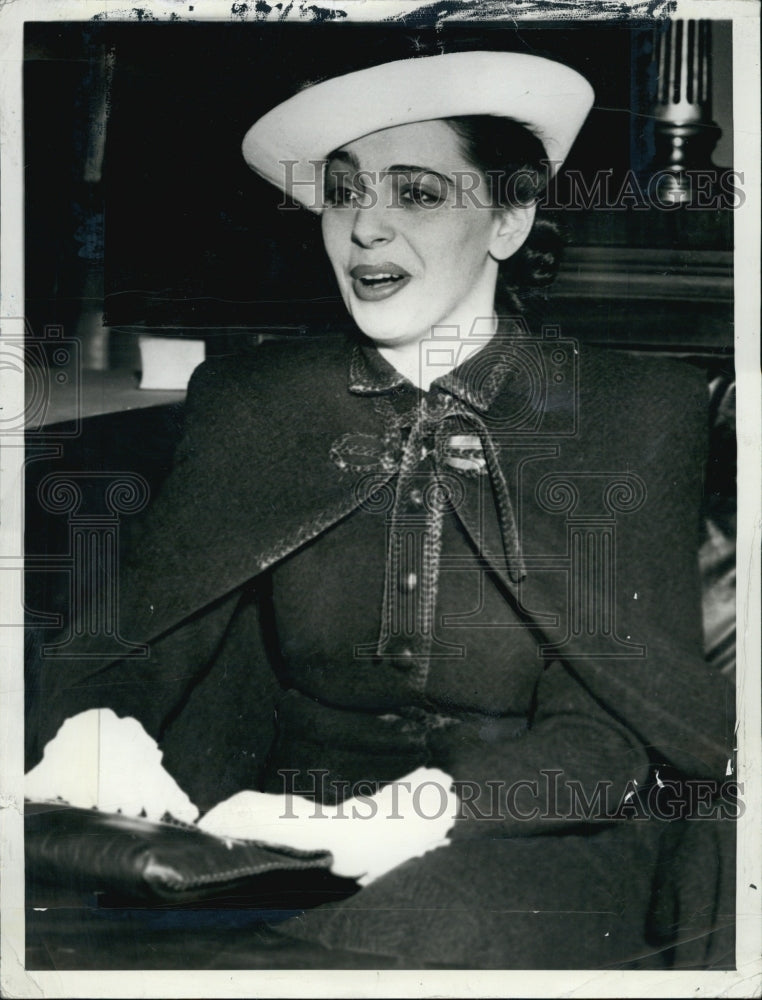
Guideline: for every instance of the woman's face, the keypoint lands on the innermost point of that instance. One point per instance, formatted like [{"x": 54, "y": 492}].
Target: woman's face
[{"x": 411, "y": 250}]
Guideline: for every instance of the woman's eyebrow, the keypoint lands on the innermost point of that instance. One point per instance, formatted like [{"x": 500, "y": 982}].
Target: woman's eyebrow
[
  {"x": 408, "y": 168},
  {"x": 342, "y": 156}
]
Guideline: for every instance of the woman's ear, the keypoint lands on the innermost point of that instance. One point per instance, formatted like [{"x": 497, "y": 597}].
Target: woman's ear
[{"x": 512, "y": 227}]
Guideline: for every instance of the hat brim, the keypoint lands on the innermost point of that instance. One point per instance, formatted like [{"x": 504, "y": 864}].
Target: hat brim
[{"x": 288, "y": 144}]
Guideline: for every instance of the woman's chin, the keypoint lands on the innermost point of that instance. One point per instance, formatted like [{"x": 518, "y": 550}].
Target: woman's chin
[
  {"x": 385, "y": 337},
  {"x": 388, "y": 331},
  {"x": 385, "y": 323}
]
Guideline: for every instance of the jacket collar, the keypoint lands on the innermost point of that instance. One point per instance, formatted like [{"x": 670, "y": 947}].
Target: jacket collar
[{"x": 476, "y": 382}]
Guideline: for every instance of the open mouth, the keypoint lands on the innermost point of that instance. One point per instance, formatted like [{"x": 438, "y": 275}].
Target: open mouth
[
  {"x": 380, "y": 279},
  {"x": 374, "y": 282}
]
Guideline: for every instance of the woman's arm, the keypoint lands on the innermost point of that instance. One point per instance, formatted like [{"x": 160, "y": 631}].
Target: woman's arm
[
  {"x": 197, "y": 677},
  {"x": 571, "y": 763},
  {"x": 206, "y": 693}
]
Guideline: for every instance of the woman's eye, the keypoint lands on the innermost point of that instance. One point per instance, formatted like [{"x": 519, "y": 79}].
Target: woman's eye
[
  {"x": 341, "y": 196},
  {"x": 415, "y": 194}
]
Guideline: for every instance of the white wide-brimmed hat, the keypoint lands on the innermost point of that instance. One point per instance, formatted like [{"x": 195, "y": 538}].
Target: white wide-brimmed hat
[{"x": 285, "y": 145}]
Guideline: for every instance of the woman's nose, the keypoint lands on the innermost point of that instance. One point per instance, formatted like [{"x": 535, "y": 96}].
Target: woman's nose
[{"x": 371, "y": 223}]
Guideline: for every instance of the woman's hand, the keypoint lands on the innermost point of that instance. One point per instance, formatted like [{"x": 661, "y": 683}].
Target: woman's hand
[
  {"x": 97, "y": 759},
  {"x": 368, "y": 836}
]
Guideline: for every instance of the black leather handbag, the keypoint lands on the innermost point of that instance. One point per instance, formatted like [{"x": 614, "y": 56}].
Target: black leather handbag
[{"x": 125, "y": 859}]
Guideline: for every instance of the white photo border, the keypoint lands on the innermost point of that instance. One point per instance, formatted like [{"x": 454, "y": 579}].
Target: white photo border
[{"x": 746, "y": 980}]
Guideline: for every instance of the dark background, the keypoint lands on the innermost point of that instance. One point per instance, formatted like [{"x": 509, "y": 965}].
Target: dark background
[{"x": 172, "y": 231}]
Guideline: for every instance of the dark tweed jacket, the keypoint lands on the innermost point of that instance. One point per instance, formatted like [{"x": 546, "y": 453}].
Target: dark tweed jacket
[{"x": 254, "y": 481}]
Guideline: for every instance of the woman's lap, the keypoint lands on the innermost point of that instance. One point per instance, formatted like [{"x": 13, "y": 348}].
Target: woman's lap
[{"x": 536, "y": 902}]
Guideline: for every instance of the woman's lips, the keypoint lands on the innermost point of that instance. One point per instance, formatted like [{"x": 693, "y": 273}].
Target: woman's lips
[{"x": 372, "y": 282}]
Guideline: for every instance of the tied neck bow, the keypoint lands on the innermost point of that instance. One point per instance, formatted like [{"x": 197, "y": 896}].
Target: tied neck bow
[
  {"x": 456, "y": 438},
  {"x": 439, "y": 447},
  {"x": 462, "y": 442}
]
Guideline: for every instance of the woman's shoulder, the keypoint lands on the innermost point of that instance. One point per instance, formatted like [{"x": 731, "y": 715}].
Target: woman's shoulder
[
  {"x": 626, "y": 374},
  {"x": 273, "y": 371}
]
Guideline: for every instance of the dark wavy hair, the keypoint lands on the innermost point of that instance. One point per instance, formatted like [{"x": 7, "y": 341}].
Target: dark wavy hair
[{"x": 514, "y": 163}]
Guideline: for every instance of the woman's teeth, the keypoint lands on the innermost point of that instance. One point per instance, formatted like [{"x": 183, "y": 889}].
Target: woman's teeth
[{"x": 378, "y": 279}]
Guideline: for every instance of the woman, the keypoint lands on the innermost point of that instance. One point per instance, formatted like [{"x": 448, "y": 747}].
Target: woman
[{"x": 444, "y": 543}]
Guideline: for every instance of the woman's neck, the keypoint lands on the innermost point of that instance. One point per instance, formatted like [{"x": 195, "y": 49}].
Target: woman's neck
[{"x": 425, "y": 360}]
